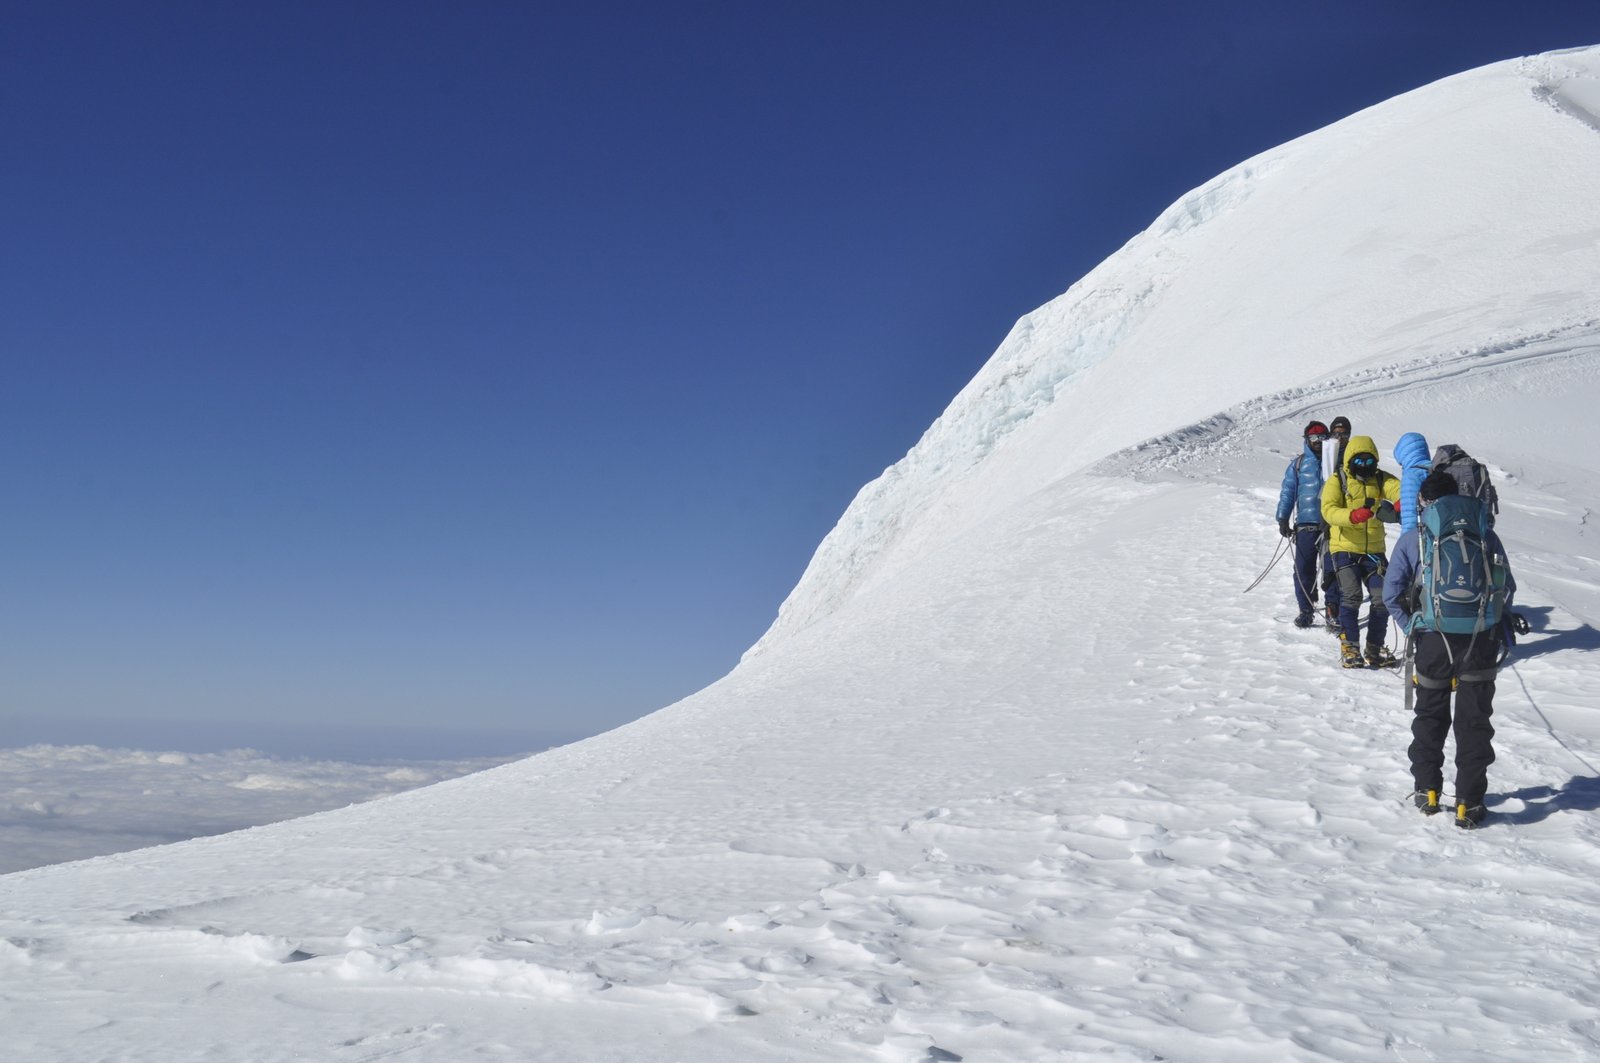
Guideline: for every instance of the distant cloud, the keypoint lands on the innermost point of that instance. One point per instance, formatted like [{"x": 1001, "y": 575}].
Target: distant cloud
[{"x": 60, "y": 803}]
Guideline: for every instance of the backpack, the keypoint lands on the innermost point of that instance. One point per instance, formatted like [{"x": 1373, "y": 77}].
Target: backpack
[
  {"x": 1460, "y": 585},
  {"x": 1470, "y": 476}
]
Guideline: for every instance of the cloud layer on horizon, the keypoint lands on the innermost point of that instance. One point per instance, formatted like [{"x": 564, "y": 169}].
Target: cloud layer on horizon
[{"x": 60, "y": 803}]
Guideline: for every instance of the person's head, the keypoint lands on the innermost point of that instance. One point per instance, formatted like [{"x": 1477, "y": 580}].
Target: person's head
[
  {"x": 1363, "y": 466},
  {"x": 1340, "y": 427},
  {"x": 1315, "y": 433},
  {"x": 1436, "y": 485}
]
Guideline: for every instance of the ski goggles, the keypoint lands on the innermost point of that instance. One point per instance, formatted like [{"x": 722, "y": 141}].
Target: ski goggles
[{"x": 1364, "y": 464}]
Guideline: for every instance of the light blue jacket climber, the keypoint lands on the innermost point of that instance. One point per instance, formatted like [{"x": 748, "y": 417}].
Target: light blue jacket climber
[
  {"x": 1301, "y": 492},
  {"x": 1415, "y": 459}
]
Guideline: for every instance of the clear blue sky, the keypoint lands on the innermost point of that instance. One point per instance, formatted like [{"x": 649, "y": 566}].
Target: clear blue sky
[{"x": 492, "y": 370}]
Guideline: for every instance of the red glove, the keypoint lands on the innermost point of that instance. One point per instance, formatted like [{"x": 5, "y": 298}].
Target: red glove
[{"x": 1358, "y": 516}]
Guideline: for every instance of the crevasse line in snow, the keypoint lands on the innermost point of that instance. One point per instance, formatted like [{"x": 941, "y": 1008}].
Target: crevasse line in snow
[{"x": 1212, "y": 437}]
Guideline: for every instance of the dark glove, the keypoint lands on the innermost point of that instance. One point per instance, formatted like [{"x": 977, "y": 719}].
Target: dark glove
[
  {"x": 1519, "y": 624},
  {"x": 1360, "y": 516},
  {"x": 1386, "y": 512},
  {"x": 1284, "y": 529}
]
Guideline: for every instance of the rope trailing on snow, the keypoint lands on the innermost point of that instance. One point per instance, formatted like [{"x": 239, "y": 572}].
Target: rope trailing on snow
[{"x": 1284, "y": 546}]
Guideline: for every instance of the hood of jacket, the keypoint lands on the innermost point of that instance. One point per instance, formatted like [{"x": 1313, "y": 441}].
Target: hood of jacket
[
  {"x": 1412, "y": 455},
  {"x": 1358, "y": 445},
  {"x": 1412, "y": 452}
]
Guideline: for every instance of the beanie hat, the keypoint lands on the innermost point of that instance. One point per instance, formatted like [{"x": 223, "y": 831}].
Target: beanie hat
[
  {"x": 1316, "y": 428},
  {"x": 1437, "y": 484},
  {"x": 1340, "y": 422}
]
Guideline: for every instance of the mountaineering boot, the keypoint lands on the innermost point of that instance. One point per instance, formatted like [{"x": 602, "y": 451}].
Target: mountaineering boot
[
  {"x": 1427, "y": 801},
  {"x": 1303, "y": 620},
  {"x": 1468, "y": 818},
  {"x": 1378, "y": 656},
  {"x": 1349, "y": 656},
  {"x": 1330, "y": 620}
]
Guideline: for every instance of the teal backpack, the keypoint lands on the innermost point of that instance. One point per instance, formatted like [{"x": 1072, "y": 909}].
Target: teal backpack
[{"x": 1461, "y": 586}]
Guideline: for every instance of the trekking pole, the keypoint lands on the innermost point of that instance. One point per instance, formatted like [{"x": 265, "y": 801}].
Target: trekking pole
[
  {"x": 1411, "y": 684},
  {"x": 1284, "y": 545}
]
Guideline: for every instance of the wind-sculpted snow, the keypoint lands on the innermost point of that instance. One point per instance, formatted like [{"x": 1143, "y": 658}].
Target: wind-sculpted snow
[
  {"x": 1454, "y": 217},
  {"x": 1045, "y": 352}
]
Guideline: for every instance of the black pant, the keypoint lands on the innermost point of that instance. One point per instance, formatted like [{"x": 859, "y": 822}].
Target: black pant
[
  {"x": 1443, "y": 657},
  {"x": 1359, "y": 573},
  {"x": 1307, "y": 553}
]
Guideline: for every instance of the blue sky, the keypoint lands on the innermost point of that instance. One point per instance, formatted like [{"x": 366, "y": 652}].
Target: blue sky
[{"x": 488, "y": 373}]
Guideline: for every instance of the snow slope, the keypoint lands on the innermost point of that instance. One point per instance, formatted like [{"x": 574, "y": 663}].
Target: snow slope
[
  {"x": 1443, "y": 221},
  {"x": 1020, "y": 773}
]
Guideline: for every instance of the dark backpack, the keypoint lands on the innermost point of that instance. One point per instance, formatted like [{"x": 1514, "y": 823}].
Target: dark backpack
[
  {"x": 1470, "y": 476},
  {"x": 1460, "y": 585}
]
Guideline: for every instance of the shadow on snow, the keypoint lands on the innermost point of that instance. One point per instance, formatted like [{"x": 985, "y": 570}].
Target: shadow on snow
[{"x": 1579, "y": 794}]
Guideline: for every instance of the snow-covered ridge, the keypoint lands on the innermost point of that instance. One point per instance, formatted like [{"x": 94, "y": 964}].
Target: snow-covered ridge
[{"x": 1283, "y": 247}]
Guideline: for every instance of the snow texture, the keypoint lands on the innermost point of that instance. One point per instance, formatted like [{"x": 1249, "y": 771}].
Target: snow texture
[{"x": 1019, "y": 773}]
